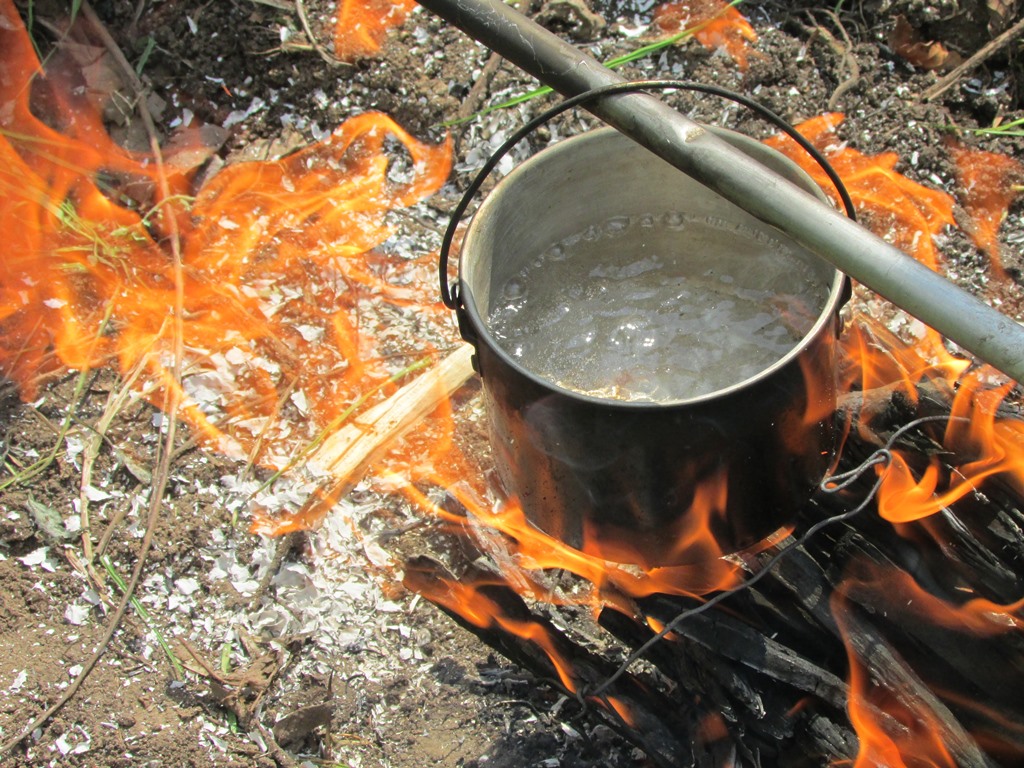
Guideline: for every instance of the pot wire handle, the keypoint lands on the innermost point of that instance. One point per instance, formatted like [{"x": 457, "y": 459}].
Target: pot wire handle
[{"x": 450, "y": 291}]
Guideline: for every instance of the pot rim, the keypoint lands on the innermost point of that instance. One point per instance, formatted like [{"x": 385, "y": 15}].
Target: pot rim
[{"x": 837, "y": 297}]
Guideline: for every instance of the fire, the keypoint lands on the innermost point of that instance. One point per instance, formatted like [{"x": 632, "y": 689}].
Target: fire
[
  {"x": 363, "y": 25},
  {"x": 528, "y": 552},
  {"x": 890, "y": 733},
  {"x": 715, "y": 24},
  {"x": 266, "y": 280},
  {"x": 898, "y": 590},
  {"x": 902, "y": 211},
  {"x": 900, "y": 730},
  {"x": 484, "y": 601},
  {"x": 910, "y": 216},
  {"x": 990, "y": 182},
  {"x": 269, "y": 282}
]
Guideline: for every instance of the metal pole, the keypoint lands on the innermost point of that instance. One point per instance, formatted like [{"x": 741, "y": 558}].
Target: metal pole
[{"x": 975, "y": 326}]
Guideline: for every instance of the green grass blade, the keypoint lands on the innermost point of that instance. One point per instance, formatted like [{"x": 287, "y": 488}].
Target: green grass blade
[
  {"x": 614, "y": 63},
  {"x": 1012, "y": 128},
  {"x": 179, "y": 671}
]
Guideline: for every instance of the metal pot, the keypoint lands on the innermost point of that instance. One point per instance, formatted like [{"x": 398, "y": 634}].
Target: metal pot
[{"x": 642, "y": 482}]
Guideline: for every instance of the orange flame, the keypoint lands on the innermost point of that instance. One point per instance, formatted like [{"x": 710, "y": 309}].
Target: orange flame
[
  {"x": 896, "y": 588},
  {"x": 526, "y": 552},
  {"x": 990, "y": 182},
  {"x": 716, "y": 24},
  {"x": 277, "y": 263},
  {"x": 467, "y": 599},
  {"x": 363, "y": 25},
  {"x": 902, "y": 211},
  {"x": 919, "y": 747},
  {"x": 910, "y": 215},
  {"x": 918, "y": 739}
]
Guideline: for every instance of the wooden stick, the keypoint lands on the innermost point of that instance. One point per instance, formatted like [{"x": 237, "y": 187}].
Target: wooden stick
[
  {"x": 983, "y": 53},
  {"x": 349, "y": 451},
  {"x": 657, "y": 725}
]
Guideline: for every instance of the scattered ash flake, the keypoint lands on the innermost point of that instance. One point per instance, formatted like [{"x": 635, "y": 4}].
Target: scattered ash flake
[
  {"x": 77, "y": 614},
  {"x": 187, "y": 585},
  {"x": 310, "y": 333},
  {"x": 208, "y": 389},
  {"x": 73, "y": 447},
  {"x": 55, "y": 303},
  {"x": 298, "y": 398},
  {"x": 239, "y": 115},
  {"x": 75, "y": 741},
  {"x": 210, "y": 736},
  {"x": 40, "y": 558},
  {"x": 19, "y": 682},
  {"x": 92, "y": 493}
]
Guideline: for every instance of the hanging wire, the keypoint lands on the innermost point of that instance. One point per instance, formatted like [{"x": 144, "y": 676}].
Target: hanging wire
[
  {"x": 830, "y": 484},
  {"x": 449, "y": 292}
]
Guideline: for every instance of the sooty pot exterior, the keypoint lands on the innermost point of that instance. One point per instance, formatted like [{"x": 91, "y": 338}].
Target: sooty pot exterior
[{"x": 644, "y": 483}]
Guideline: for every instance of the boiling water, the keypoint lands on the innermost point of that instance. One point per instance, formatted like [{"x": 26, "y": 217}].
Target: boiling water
[{"x": 657, "y": 308}]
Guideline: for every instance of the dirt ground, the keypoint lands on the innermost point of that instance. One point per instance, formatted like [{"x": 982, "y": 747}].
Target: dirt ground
[{"x": 294, "y": 657}]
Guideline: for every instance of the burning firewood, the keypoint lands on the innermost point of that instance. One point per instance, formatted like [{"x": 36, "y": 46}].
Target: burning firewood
[{"x": 346, "y": 454}]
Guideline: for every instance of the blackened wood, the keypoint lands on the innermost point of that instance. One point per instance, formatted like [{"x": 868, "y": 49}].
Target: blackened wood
[
  {"x": 809, "y": 585},
  {"x": 658, "y": 726},
  {"x": 888, "y": 669},
  {"x": 764, "y": 722}
]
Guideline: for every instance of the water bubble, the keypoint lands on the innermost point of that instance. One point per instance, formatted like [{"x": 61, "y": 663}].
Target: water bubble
[
  {"x": 674, "y": 220},
  {"x": 628, "y": 306},
  {"x": 514, "y": 289}
]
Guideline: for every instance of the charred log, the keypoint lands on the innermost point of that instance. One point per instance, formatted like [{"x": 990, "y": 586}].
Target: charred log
[
  {"x": 641, "y": 713},
  {"x": 762, "y": 677}
]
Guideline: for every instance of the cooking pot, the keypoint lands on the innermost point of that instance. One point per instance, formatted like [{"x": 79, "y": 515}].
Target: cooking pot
[{"x": 649, "y": 481}]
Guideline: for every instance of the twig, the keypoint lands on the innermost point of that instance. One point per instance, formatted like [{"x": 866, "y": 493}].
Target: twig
[
  {"x": 281, "y": 5},
  {"x": 327, "y": 56},
  {"x": 845, "y": 51},
  {"x": 115, "y": 402},
  {"x": 347, "y": 453},
  {"x": 983, "y": 53},
  {"x": 162, "y": 475},
  {"x": 479, "y": 90},
  {"x": 283, "y": 546},
  {"x": 351, "y": 448}
]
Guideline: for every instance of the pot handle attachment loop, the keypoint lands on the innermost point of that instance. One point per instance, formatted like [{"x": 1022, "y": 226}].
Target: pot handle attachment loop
[{"x": 450, "y": 291}]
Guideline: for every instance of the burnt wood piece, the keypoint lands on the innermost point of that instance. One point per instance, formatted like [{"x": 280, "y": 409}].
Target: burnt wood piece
[
  {"x": 971, "y": 655},
  {"x": 809, "y": 584},
  {"x": 769, "y": 663},
  {"x": 765, "y": 718},
  {"x": 657, "y": 725}
]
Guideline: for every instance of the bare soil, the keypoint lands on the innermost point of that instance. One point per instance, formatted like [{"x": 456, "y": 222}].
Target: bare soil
[{"x": 337, "y": 665}]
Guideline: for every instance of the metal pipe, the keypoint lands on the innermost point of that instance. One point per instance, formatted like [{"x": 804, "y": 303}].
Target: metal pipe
[{"x": 961, "y": 317}]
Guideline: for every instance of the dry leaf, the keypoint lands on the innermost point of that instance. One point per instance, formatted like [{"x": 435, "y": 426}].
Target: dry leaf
[
  {"x": 1001, "y": 13},
  {"x": 907, "y": 43}
]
